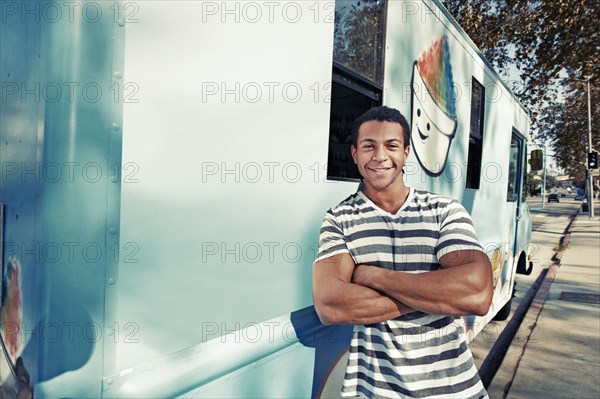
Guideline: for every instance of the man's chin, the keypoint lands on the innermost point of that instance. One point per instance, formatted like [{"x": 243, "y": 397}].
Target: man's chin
[{"x": 378, "y": 185}]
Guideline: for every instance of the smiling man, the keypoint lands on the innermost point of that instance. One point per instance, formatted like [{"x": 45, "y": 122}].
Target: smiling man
[{"x": 402, "y": 265}]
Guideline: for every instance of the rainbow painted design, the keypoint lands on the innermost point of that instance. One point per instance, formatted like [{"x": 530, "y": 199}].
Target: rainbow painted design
[{"x": 436, "y": 70}]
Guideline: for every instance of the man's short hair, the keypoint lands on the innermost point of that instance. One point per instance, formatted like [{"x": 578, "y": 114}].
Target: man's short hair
[{"x": 381, "y": 114}]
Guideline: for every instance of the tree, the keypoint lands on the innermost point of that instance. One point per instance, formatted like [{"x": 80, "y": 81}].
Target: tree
[
  {"x": 358, "y": 40},
  {"x": 552, "y": 46},
  {"x": 550, "y": 181},
  {"x": 533, "y": 183}
]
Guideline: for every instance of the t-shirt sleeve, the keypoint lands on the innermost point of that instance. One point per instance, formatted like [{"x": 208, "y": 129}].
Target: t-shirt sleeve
[
  {"x": 331, "y": 238},
  {"x": 456, "y": 231}
]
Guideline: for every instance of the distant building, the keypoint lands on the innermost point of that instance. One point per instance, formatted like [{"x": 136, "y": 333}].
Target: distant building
[{"x": 564, "y": 181}]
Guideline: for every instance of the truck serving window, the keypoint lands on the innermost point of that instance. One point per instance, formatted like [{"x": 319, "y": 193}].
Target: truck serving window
[
  {"x": 476, "y": 135},
  {"x": 515, "y": 168},
  {"x": 357, "y": 80}
]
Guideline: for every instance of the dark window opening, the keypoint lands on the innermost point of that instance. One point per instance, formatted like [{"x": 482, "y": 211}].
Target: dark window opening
[
  {"x": 475, "y": 135},
  {"x": 357, "y": 81},
  {"x": 515, "y": 169},
  {"x": 348, "y": 101},
  {"x": 525, "y": 184}
]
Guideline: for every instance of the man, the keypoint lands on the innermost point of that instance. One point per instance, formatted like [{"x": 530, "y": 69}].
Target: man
[{"x": 401, "y": 265}]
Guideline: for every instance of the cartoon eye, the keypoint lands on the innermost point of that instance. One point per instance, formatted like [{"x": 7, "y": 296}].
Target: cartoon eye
[
  {"x": 418, "y": 112},
  {"x": 428, "y": 126}
]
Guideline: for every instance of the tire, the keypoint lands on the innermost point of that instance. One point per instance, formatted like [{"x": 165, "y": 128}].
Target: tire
[{"x": 504, "y": 312}]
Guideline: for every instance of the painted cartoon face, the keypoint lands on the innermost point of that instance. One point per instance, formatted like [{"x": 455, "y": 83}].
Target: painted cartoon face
[{"x": 432, "y": 130}]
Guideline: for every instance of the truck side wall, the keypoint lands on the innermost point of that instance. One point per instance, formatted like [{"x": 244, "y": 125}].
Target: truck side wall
[
  {"x": 60, "y": 133},
  {"x": 225, "y": 143},
  {"x": 193, "y": 185}
]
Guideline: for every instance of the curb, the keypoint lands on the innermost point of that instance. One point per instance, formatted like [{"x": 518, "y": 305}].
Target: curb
[
  {"x": 534, "y": 298},
  {"x": 563, "y": 242},
  {"x": 492, "y": 362},
  {"x": 538, "y": 304}
]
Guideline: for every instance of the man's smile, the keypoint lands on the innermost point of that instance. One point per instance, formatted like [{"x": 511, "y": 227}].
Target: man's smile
[{"x": 379, "y": 169}]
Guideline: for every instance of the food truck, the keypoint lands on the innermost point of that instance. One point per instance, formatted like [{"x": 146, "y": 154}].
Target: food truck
[{"x": 165, "y": 168}]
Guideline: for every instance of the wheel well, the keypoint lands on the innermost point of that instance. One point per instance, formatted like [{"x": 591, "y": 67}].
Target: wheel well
[{"x": 522, "y": 264}]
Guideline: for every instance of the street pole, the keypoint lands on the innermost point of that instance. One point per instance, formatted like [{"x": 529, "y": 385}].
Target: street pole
[
  {"x": 544, "y": 181},
  {"x": 543, "y": 190},
  {"x": 590, "y": 181}
]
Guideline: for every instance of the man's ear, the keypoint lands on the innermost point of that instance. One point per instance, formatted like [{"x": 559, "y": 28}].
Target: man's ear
[
  {"x": 353, "y": 152},
  {"x": 406, "y": 152}
]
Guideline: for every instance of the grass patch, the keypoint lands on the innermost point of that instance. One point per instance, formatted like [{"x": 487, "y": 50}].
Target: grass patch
[{"x": 560, "y": 247}]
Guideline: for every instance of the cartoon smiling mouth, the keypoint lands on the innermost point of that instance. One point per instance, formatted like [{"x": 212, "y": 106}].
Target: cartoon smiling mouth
[{"x": 421, "y": 135}]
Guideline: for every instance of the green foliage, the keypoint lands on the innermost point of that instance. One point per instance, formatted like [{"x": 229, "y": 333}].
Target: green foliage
[
  {"x": 552, "y": 46},
  {"x": 550, "y": 181},
  {"x": 534, "y": 186}
]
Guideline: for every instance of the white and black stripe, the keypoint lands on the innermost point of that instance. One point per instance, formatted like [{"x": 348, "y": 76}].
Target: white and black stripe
[{"x": 417, "y": 355}]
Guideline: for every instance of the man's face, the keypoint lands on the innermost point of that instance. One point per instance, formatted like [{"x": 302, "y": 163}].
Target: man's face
[{"x": 380, "y": 154}]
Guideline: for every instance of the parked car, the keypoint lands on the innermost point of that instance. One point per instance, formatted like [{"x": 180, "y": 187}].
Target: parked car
[{"x": 553, "y": 198}]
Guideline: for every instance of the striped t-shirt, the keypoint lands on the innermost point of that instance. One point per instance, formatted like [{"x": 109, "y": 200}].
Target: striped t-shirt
[{"x": 417, "y": 355}]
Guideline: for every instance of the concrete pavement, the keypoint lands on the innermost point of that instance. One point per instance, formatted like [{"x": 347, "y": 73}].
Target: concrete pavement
[{"x": 558, "y": 355}]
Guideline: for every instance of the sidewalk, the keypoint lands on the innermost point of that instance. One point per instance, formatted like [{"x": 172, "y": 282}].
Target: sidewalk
[{"x": 561, "y": 356}]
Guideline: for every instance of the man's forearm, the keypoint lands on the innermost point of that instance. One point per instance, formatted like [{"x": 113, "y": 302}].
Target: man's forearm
[
  {"x": 453, "y": 291},
  {"x": 349, "y": 303},
  {"x": 340, "y": 301}
]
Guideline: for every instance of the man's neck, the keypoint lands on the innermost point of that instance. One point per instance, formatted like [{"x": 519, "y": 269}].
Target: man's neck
[{"x": 389, "y": 199}]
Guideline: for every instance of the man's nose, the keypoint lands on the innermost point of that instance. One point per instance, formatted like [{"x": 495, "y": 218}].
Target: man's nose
[{"x": 379, "y": 154}]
